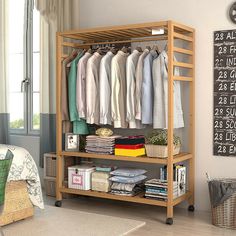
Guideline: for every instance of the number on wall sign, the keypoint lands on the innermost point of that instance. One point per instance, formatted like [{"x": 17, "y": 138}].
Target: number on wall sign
[
  {"x": 223, "y": 100},
  {"x": 223, "y": 75},
  {"x": 219, "y": 36},
  {"x": 223, "y": 87},
  {"x": 218, "y": 137},
  {"x": 222, "y": 50},
  {"x": 221, "y": 149}
]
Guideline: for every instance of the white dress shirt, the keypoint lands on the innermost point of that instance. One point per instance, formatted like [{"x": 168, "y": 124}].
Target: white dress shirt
[
  {"x": 105, "y": 88},
  {"x": 160, "y": 83},
  {"x": 118, "y": 89},
  {"x": 81, "y": 85},
  {"x": 92, "y": 88},
  {"x": 147, "y": 88},
  {"x": 131, "y": 64},
  {"x": 139, "y": 80}
]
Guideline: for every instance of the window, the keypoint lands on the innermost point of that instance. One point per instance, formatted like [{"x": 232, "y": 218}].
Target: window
[{"x": 23, "y": 24}]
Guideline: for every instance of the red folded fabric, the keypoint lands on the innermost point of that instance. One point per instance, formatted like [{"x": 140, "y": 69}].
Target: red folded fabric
[{"x": 135, "y": 146}]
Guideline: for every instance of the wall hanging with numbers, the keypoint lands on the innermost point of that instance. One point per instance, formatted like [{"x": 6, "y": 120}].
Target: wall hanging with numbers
[{"x": 225, "y": 93}]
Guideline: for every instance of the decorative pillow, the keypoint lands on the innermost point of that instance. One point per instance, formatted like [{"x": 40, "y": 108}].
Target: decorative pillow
[
  {"x": 104, "y": 132},
  {"x": 128, "y": 172}
]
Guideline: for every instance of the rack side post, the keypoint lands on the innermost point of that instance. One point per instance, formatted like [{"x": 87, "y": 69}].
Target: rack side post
[
  {"x": 58, "y": 117},
  {"x": 170, "y": 120},
  {"x": 192, "y": 125}
]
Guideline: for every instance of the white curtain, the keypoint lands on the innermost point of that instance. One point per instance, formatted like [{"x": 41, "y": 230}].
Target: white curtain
[
  {"x": 56, "y": 15},
  {"x": 4, "y": 115}
]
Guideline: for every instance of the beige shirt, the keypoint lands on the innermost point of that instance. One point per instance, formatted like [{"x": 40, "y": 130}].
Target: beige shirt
[
  {"x": 92, "y": 88},
  {"x": 139, "y": 80},
  {"x": 131, "y": 64},
  {"x": 118, "y": 89},
  {"x": 81, "y": 85}
]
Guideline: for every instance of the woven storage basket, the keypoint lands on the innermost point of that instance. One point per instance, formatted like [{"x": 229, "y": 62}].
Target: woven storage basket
[
  {"x": 17, "y": 204},
  {"x": 224, "y": 215},
  {"x": 160, "y": 151}
]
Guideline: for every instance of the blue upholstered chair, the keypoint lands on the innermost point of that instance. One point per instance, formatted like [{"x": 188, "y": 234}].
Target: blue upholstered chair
[{"x": 5, "y": 165}]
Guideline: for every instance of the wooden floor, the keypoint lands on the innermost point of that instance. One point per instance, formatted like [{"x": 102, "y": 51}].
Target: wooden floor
[{"x": 185, "y": 223}]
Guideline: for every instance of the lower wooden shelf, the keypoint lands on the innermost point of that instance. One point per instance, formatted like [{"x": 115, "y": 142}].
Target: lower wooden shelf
[{"x": 136, "y": 199}]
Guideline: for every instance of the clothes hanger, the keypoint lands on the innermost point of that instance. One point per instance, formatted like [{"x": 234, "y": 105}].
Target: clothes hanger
[
  {"x": 155, "y": 48},
  {"x": 90, "y": 51},
  {"x": 124, "y": 49},
  {"x": 99, "y": 50},
  {"x": 113, "y": 50},
  {"x": 139, "y": 49},
  {"x": 166, "y": 48}
]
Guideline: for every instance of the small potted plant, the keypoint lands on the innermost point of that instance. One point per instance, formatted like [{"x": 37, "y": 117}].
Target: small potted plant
[{"x": 156, "y": 144}]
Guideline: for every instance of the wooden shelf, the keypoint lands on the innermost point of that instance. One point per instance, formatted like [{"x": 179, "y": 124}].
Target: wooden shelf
[
  {"x": 137, "y": 199},
  {"x": 144, "y": 159}
]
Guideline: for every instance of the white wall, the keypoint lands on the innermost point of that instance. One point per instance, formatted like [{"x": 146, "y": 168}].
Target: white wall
[
  {"x": 31, "y": 144},
  {"x": 205, "y": 17}
]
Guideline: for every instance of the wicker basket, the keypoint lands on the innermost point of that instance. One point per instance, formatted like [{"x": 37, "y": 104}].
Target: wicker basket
[
  {"x": 160, "y": 151},
  {"x": 17, "y": 204},
  {"x": 224, "y": 215}
]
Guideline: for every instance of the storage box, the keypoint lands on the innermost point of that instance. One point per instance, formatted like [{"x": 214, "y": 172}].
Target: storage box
[
  {"x": 101, "y": 182},
  {"x": 79, "y": 176},
  {"x": 50, "y": 188},
  {"x": 17, "y": 203},
  {"x": 50, "y": 165}
]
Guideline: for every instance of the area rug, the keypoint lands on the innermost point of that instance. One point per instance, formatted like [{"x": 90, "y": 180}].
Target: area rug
[{"x": 55, "y": 221}]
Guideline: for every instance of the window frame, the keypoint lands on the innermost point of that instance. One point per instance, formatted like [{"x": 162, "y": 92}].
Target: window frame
[{"x": 28, "y": 73}]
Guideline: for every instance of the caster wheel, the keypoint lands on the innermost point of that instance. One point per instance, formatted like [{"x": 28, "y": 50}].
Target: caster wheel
[
  {"x": 191, "y": 208},
  {"x": 169, "y": 221},
  {"x": 58, "y": 203}
]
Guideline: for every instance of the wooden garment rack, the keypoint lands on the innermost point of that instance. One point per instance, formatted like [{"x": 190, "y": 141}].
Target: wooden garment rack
[{"x": 85, "y": 38}]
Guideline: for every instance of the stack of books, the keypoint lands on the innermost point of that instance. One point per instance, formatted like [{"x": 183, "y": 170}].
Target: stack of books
[
  {"x": 158, "y": 189},
  {"x": 179, "y": 177},
  {"x": 132, "y": 146}
]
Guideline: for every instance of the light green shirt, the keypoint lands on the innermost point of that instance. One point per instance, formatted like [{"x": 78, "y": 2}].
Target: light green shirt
[{"x": 79, "y": 125}]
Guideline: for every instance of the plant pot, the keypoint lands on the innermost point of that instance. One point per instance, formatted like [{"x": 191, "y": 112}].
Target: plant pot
[{"x": 160, "y": 151}]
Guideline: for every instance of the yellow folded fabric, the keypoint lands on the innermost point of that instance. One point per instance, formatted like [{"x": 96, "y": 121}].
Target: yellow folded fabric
[{"x": 130, "y": 152}]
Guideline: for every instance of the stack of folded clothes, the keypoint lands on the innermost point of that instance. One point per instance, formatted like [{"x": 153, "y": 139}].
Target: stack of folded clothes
[
  {"x": 127, "y": 182},
  {"x": 157, "y": 189},
  {"x": 130, "y": 146},
  {"x": 100, "y": 145}
]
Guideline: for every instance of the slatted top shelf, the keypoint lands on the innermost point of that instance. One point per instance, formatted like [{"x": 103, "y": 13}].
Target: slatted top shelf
[
  {"x": 125, "y": 32},
  {"x": 143, "y": 159}
]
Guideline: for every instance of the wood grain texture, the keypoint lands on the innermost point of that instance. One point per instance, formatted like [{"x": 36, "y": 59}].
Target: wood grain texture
[
  {"x": 170, "y": 131},
  {"x": 144, "y": 159}
]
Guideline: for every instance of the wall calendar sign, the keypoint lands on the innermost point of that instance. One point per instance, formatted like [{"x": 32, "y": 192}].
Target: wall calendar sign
[{"x": 224, "y": 143}]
